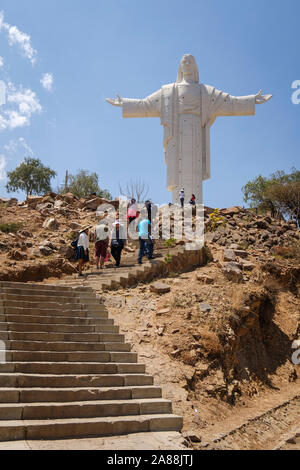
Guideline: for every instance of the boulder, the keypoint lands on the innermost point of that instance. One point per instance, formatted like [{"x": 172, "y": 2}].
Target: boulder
[
  {"x": 58, "y": 204},
  {"x": 247, "y": 265},
  {"x": 43, "y": 206},
  {"x": 204, "y": 278},
  {"x": 241, "y": 253},
  {"x": 13, "y": 202},
  {"x": 25, "y": 233},
  {"x": 68, "y": 268},
  {"x": 49, "y": 244},
  {"x": 93, "y": 203},
  {"x": 45, "y": 250},
  {"x": 160, "y": 288},
  {"x": 32, "y": 201},
  {"x": 204, "y": 307},
  {"x": 4, "y": 200},
  {"x": 69, "y": 198},
  {"x": 231, "y": 210},
  {"x": 48, "y": 198},
  {"x": 229, "y": 255},
  {"x": 66, "y": 251},
  {"x": 261, "y": 224},
  {"x": 50, "y": 224},
  {"x": 17, "y": 255},
  {"x": 75, "y": 226},
  {"x": 233, "y": 271}
]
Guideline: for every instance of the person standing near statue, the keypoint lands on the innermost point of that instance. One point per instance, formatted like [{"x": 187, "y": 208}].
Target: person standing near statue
[
  {"x": 132, "y": 210},
  {"x": 187, "y": 109},
  {"x": 181, "y": 198},
  {"x": 193, "y": 200}
]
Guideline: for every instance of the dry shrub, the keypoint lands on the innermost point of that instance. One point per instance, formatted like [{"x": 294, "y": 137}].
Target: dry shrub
[
  {"x": 210, "y": 343},
  {"x": 288, "y": 252},
  {"x": 189, "y": 357}
]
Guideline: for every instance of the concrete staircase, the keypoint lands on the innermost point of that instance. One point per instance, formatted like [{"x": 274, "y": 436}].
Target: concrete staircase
[
  {"x": 68, "y": 372},
  {"x": 130, "y": 273}
]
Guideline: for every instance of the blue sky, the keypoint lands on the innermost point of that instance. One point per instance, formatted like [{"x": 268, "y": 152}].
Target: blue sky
[{"x": 61, "y": 58}]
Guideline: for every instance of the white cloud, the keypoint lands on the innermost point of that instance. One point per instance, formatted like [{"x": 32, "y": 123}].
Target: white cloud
[
  {"x": 23, "y": 144},
  {"x": 47, "y": 81},
  {"x": 2, "y": 168},
  {"x": 16, "y": 147},
  {"x": 21, "y": 104},
  {"x": 1, "y": 61},
  {"x": 17, "y": 37}
]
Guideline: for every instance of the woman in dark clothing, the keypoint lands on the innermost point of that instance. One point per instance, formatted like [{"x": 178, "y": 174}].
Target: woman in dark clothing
[
  {"x": 193, "y": 200},
  {"x": 118, "y": 242}
]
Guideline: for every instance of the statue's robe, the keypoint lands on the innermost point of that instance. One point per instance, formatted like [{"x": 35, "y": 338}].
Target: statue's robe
[{"x": 187, "y": 112}]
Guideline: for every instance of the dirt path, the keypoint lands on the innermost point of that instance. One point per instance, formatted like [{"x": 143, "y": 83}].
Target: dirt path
[{"x": 267, "y": 423}]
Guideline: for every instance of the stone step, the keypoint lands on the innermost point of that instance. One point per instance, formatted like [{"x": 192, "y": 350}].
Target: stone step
[
  {"x": 47, "y": 299},
  {"x": 49, "y": 292},
  {"x": 52, "y": 306},
  {"x": 49, "y": 320},
  {"x": 66, "y": 346},
  {"x": 84, "y": 409},
  {"x": 62, "y": 337},
  {"x": 68, "y": 371},
  {"x": 98, "y": 312},
  {"x": 40, "y": 287},
  {"x": 84, "y": 312},
  {"x": 83, "y": 356},
  {"x": 84, "y": 427},
  {"x": 72, "y": 368},
  {"x": 31, "y": 327},
  {"x": 38, "y": 395},
  {"x": 63, "y": 381}
]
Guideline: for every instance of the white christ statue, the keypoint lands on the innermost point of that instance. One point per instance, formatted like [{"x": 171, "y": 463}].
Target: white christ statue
[{"x": 187, "y": 109}]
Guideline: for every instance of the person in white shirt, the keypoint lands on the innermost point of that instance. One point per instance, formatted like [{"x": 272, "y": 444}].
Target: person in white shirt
[
  {"x": 181, "y": 197},
  {"x": 82, "y": 251}
]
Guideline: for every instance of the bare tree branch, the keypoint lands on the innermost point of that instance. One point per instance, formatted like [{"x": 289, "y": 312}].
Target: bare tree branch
[{"x": 136, "y": 189}]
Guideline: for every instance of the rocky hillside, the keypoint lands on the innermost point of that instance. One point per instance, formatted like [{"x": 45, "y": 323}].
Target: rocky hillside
[{"x": 35, "y": 236}]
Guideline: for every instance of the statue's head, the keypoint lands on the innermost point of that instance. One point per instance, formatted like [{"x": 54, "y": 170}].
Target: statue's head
[{"x": 188, "y": 67}]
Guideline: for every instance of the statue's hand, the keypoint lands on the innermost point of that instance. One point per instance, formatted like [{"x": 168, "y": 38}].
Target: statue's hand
[
  {"x": 115, "y": 102},
  {"x": 259, "y": 98}
]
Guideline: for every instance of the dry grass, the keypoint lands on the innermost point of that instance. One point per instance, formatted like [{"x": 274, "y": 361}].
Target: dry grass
[
  {"x": 288, "y": 252},
  {"x": 210, "y": 343}
]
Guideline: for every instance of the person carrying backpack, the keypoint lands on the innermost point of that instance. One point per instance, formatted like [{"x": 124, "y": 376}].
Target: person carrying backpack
[{"x": 82, "y": 250}]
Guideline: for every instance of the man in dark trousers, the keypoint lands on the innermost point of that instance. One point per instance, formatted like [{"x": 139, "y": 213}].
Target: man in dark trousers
[{"x": 117, "y": 242}]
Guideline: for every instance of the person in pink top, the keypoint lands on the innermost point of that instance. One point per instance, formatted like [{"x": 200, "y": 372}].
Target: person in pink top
[{"x": 132, "y": 210}]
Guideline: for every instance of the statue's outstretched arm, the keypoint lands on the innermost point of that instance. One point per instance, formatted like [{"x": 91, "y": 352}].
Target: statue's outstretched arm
[
  {"x": 260, "y": 99},
  {"x": 148, "y": 107},
  {"x": 115, "y": 102}
]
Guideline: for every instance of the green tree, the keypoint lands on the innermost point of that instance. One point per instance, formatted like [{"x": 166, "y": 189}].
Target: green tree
[
  {"x": 84, "y": 184},
  {"x": 30, "y": 176},
  {"x": 286, "y": 196},
  {"x": 260, "y": 191}
]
